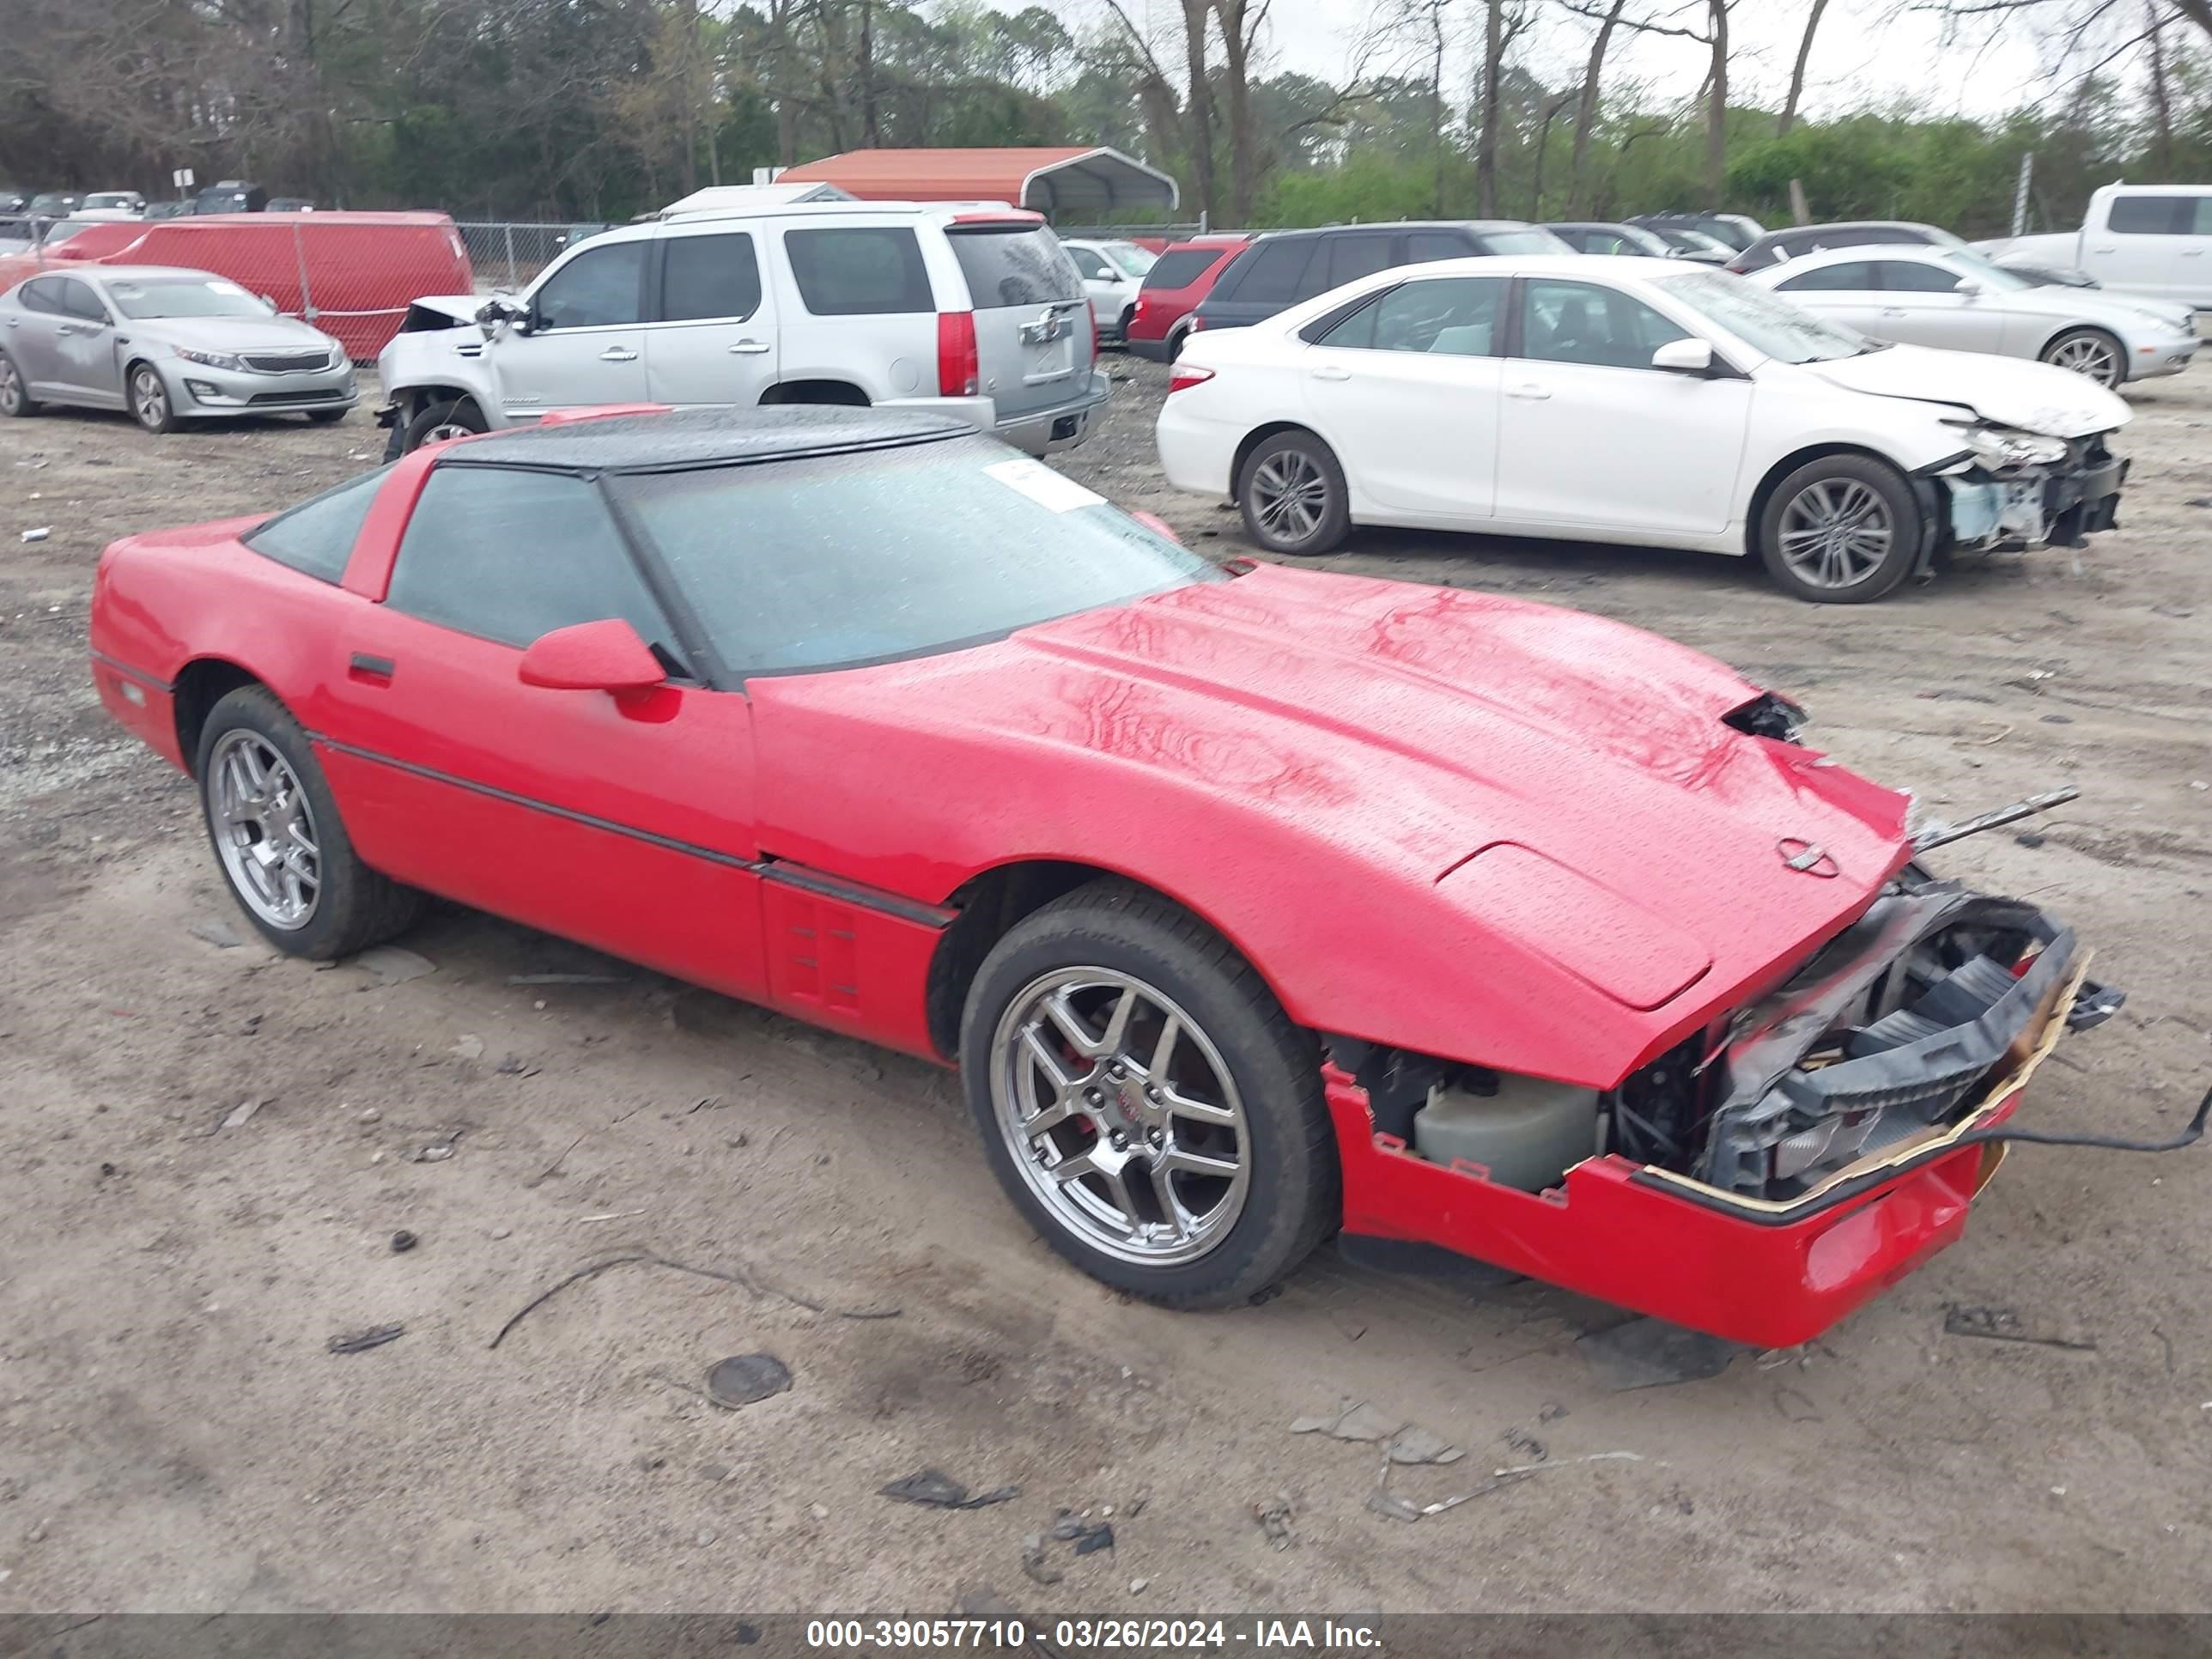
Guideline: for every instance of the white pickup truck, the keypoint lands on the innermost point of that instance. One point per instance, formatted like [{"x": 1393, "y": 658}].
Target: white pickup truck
[{"x": 2152, "y": 239}]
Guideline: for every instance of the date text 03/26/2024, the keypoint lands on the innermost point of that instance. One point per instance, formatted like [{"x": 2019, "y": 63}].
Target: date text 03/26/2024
[{"x": 1140, "y": 1635}]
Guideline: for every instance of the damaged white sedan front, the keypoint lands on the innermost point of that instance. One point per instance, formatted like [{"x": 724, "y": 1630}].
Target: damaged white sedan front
[{"x": 1631, "y": 400}]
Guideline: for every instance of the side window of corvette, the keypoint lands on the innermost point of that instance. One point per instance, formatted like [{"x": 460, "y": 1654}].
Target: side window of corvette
[
  {"x": 508, "y": 555},
  {"x": 317, "y": 537}
]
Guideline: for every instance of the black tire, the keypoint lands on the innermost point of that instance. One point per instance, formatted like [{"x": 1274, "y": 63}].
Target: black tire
[
  {"x": 1128, "y": 314},
  {"x": 2077, "y": 348},
  {"x": 1302, "y": 461},
  {"x": 354, "y": 906},
  {"x": 1293, "y": 1195},
  {"x": 326, "y": 417},
  {"x": 15, "y": 399},
  {"x": 150, "y": 404},
  {"x": 457, "y": 412},
  {"x": 1177, "y": 337},
  {"x": 1847, "y": 480}
]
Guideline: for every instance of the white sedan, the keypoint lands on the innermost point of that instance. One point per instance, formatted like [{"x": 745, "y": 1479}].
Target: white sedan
[
  {"x": 1957, "y": 298},
  {"x": 1634, "y": 400}
]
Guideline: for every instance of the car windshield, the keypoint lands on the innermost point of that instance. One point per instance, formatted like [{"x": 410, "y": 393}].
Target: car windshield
[
  {"x": 1986, "y": 271},
  {"x": 182, "y": 297},
  {"x": 839, "y": 561},
  {"x": 1763, "y": 320},
  {"x": 1131, "y": 258},
  {"x": 107, "y": 199}
]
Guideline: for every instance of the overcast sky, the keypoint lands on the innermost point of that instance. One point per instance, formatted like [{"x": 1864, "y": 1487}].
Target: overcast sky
[{"x": 1866, "y": 50}]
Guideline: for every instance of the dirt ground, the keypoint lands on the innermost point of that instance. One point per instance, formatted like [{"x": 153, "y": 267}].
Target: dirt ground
[{"x": 174, "y": 1434}]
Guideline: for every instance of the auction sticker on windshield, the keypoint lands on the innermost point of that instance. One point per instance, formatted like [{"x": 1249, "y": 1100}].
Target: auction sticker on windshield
[{"x": 1047, "y": 487}]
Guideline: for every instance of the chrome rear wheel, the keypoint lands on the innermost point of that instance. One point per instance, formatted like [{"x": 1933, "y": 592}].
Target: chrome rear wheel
[{"x": 264, "y": 830}]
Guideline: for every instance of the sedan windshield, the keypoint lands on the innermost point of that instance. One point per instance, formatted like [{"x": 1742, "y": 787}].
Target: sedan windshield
[
  {"x": 182, "y": 297},
  {"x": 1131, "y": 258},
  {"x": 1986, "y": 271},
  {"x": 1520, "y": 241},
  {"x": 1763, "y": 320},
  {"x": 838, "y": 561}
]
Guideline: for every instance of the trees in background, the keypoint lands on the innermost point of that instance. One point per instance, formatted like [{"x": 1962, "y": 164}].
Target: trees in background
[{"x": 598, "y": 109}]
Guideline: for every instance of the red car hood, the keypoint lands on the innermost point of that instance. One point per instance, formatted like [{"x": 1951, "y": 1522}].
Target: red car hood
[{"x": 1634, "y": 840}]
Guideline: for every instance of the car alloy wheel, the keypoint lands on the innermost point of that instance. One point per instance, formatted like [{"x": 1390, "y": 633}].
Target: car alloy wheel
[
  {"x": 11, "y": 389},
  {"x": 2089, "y": 354},
  {"x": 1289, "y": 495},
  {"x": 1836, "y": 533},
  {"x": 1120, "y": 1113},
  {"x": 150, "y": 400},
  {"x": 445, "y": 429},
  {"x": 264, "y": 830}
]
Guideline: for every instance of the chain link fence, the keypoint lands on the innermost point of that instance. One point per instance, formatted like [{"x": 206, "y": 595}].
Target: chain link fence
[{"x": 351, "y": 275}]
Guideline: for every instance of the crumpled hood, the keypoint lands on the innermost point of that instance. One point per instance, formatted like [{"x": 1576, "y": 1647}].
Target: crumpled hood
[
  {"x": 1406, "y": 727},
  {"x": 2034, "y": 397},
  {"x": 461, "y": 307}
]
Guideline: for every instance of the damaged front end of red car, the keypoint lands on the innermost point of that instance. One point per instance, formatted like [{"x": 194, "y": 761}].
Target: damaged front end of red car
[{"x": 1781, "y": 1166}]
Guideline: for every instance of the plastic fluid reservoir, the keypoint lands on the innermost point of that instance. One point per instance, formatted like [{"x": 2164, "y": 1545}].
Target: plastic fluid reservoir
[{"x": 1528, "y": 1134}]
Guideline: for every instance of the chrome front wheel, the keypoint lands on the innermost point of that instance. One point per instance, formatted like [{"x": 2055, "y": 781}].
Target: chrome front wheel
[
  {"x": 1121, "y": 1116},
  {"x": 264, "y": 830},
  {"x": 2089, "y": 353},
  {"x": 149, "y": 401}
]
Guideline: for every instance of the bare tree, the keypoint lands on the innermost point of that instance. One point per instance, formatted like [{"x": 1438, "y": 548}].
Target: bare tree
[
  {"x": 1239, "y": 22},
  {"x": 1586, "y": 102},
  {"x": 1486, "y": 131},
  {"x": 1797, "y": 72}
]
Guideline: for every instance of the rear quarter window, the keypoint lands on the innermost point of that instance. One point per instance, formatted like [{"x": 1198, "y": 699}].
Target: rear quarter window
[
  {"x": 860, "y": 270},
  {"x": 316, "y": 537},
  {"x": 1024, "y": 266},
  {"x": 1181, "y": 267}
]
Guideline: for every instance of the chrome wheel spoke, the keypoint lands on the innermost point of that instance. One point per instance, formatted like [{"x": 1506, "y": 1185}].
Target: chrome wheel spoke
[{"x": 1121, "y": 1115}]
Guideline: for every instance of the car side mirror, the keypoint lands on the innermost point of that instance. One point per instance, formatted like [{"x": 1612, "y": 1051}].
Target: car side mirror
[
  {"x": 592, "y": 656},
  {"x": 1967, "y": 289},
  {"x": 496, "y": 312},
  {"x": 1684, "y": 357}
]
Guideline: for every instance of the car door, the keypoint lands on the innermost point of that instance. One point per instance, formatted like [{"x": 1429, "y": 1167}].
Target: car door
[
  {"x": 89, "y": 369},
  {"x": 1102, "y": 283},
  {"x": 1590, "y": 433},
  {"x": 2153, "y": 246},
  {"x": 1347, "y": 256},
  {"x": 584, "y": 342},
  {"x": 712, "y": 339},
  {"x": 33, "y": 335},
  {"x": 1406, "y": 391},
  {"x": 1932, "y": 305},
  {"x": 625, "y": 822}
]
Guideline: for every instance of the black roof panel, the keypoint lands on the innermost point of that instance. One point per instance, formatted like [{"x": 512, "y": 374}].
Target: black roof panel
[{"x": 701, "y": 437}]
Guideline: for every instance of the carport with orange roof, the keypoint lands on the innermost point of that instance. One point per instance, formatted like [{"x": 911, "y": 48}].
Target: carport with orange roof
[{"x": 1073, "y": 183}]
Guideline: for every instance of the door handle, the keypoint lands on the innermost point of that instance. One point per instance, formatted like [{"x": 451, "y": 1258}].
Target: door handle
[
  {"x": 375, "y": 670},
  {"x": 1331, "y": 374},
  {"x": 748, "y": 348},
  {"x": 2104, "y": 250},
  {"x": 1529, "y": 390},
  {"x": 1893, "y": 311},
  {"x": 618, "y": 355},
  {"x": 2192, "y": 253}
]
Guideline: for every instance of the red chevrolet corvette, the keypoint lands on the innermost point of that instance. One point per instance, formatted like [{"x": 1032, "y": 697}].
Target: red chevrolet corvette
[{"x": 1252, "y": 903}]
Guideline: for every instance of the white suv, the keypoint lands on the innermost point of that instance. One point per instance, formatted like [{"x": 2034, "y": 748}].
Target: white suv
[{"x": 969, "y": 310}]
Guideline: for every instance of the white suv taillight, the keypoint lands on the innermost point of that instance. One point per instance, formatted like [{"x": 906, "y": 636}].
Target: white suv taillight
[
  {"x": 959, "y": 372},
  {"x": 1183, "y": 376}
]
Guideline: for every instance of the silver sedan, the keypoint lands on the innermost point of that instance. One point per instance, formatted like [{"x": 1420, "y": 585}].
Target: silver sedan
[
  {"x": 167, "y": 344},
  {"x": 1956, "y": 298}
]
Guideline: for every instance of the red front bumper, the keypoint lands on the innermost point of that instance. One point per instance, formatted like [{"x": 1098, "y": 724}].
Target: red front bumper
[{"x": 1625, "y": 1236}]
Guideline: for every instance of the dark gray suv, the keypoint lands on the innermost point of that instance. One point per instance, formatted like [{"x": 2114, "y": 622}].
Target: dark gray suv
[{"x": 1282, "y": 267}]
